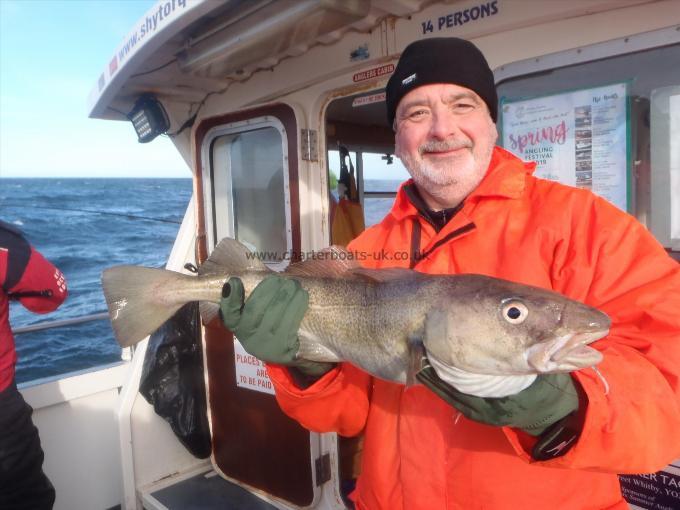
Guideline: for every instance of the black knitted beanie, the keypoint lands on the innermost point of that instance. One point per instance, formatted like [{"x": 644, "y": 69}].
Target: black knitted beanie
[{"x": 441, "y": 60}]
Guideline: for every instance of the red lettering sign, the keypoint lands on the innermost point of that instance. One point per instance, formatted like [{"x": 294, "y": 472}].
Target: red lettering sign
[
  {"x": 113, "y": 65},
  {"x": 373, "y": 73}
]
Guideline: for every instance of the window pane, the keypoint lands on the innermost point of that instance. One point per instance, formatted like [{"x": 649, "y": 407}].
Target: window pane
[
  {"x": 334, "y": 170},
  {"x": 380, "y": 175},
  {"x": 255, "y": 160}
]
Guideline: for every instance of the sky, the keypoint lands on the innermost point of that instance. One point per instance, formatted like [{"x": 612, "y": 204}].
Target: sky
[{"x": 51, "y": 55}]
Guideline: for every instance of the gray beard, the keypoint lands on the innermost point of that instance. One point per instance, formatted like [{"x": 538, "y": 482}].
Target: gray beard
[
  {"x": 449, "y": 186},
  {"x": 453, "y": 184}
]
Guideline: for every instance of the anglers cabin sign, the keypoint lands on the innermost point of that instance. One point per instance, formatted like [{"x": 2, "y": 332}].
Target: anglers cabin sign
[{"x": 373, "y": 73}]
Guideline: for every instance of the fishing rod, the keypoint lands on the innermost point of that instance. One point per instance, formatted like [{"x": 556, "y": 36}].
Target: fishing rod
[{"x": 124, "y": 215}]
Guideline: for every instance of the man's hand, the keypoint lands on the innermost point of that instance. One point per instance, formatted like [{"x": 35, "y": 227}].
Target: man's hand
[
  {"x": 550, "y": 398},
  {"x": 268, "y": 322}
]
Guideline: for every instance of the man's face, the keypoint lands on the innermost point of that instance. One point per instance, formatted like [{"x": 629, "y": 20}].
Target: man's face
[{"x": 444, "y": 137}]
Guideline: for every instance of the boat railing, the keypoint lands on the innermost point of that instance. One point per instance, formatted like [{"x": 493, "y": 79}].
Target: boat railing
[
  {"x": 125, "y": 352},
  {"x": 41, "y": 326}
]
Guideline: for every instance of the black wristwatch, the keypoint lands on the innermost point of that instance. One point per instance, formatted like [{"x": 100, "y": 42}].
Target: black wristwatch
[{"x": 558, "y": 439}]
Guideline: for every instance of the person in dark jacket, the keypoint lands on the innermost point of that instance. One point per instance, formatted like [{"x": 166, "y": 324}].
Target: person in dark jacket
[{"x": 25, "y": 276}]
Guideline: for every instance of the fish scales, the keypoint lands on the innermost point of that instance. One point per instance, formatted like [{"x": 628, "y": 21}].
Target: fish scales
[{"x": 359, "y": 320}]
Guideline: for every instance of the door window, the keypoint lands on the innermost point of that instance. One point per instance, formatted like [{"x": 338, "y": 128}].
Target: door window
[{"x": 250, "y": 190}]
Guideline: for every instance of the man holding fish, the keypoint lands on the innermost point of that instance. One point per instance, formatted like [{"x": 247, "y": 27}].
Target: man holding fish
[{"x": 515, "y": 410}]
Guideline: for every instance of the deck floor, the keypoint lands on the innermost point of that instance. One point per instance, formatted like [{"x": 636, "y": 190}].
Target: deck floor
[{"x": 202, "y": 492}]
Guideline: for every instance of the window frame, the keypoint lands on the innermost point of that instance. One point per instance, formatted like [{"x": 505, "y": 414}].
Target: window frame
[
  {"x": 631, "y": 44},
  {"x": 583, "y": 54},
  {"x": 217, "y": 200}
]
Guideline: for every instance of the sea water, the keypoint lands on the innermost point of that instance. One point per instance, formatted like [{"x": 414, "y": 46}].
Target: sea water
[{"x": 84, "y": 226}]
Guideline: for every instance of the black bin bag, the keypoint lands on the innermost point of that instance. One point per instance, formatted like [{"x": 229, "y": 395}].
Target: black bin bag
[{"x": 172, "y": 379}]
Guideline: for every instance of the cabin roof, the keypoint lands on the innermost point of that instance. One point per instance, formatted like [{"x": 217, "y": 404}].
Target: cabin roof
[{"x": 184, "y": 49}]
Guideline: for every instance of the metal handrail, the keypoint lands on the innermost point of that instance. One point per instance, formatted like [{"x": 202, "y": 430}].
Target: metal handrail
[
  {"x": 380, "y": 194},
  {"x": 58, "y": 324}
]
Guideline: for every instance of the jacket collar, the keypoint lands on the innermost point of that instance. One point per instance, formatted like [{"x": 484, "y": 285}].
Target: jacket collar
[{"x": 505, "y": 178}]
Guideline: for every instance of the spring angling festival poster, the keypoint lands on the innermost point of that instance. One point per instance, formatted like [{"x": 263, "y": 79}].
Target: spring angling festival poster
[{"x": 579, "y": 138}]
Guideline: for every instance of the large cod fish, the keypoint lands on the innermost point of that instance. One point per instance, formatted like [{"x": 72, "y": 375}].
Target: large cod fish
[{"x": 485, "y": 336}]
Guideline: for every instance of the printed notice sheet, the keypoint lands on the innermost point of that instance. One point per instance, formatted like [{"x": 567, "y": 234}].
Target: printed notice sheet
[
  {"x": 579, "y": 138},
  {"x": 250, "y": 371}
]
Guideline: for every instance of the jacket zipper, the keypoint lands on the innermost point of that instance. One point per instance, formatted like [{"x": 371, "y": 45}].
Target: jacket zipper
[{"x": 417, "y": 256}]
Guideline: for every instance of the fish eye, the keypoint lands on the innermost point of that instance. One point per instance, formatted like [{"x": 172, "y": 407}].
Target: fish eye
[{"x": 515, "y": 312}]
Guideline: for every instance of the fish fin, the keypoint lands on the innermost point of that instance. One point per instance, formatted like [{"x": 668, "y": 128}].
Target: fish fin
[
  {"x": 231, "y": 257},
  {"x": 416, "y": 357},
  {"x": 312, "y": 349},
  {"x": 136, "y": 307},
  {"x": 332, "y": 262},
  {"x": 208, "y": 311},
  {"x": 384, "y": 275}
]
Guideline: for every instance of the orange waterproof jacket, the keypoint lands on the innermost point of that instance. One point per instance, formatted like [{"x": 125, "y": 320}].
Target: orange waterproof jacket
[{"x": 420, "y": 454}]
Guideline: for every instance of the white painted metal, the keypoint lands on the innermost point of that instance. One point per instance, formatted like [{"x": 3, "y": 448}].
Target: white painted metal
[
  {"x": 140, "y": 44},
  {"x": 298, "y": 21},
  {"x": 77, "y": 422}
]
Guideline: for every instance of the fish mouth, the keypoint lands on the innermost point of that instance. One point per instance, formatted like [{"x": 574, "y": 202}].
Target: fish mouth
[{"x": 567, "y": 352}]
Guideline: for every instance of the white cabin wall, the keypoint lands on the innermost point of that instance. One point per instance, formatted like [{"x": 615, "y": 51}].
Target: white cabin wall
[
  {"x": 324, "y": 62},
  {"x": 178, "y": 113},
  {"x": 157, "y": 452},
  {"x": 511, "y": 16},
  {"x": 301, "y": 82},
  {"x": 577, "y": 32},
  {"x": 315, "y": 230},
  {"x": 76, "y": 418},
  {"x": 295, "y": 73}
]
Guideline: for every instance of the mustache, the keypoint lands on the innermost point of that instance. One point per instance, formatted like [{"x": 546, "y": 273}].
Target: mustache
[{"x": 443, "y": 146}]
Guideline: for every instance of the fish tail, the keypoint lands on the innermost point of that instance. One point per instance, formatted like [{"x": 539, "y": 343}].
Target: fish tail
[{"x": 140, "y": 300}]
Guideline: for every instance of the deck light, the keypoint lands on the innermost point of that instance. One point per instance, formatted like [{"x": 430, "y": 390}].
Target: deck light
[{"x": 149, "y": 118}]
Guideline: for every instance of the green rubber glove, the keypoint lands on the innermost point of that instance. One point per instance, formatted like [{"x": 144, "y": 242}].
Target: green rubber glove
[
  {"x": 267, "y": 323},
  {"x": 550, "y": 398}
]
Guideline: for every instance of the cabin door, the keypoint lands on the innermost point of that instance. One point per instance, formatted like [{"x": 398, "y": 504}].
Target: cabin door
[{"x": 249, "y": 187}]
